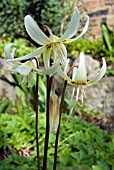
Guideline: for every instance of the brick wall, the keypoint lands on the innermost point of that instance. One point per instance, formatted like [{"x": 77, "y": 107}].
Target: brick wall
[{"x": 100, "y": 11}]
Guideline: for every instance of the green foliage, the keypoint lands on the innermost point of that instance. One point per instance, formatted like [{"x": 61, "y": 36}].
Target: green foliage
[
  {"x": 2, "y": 45},
  {"x": 12, "y": 126},
  {"x": 17, "y": 162},
  {"x": 11, "y": 18},
  {"x": 108, "y": 38},
  {"x": 22, "y": 47},
  {"x": 80, "y": 143},
  {"x": 52, "y": 8},
  {"x": 25, "y": 97},
  {"x": 109, "y": 72},
  {"x": 87, "y": 144},
  {"x": 96, "y": 48},
  {"x": 21, "y": 163},
  {"x": 75, "y": 167},
  {"x": 13, "y": 13},
  {"x": 5, "y": 105}
]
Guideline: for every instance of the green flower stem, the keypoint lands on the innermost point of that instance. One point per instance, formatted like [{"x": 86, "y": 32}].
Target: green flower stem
[
  {"x": 58, "y": 129},
  {"x": 49, "y": 79}
]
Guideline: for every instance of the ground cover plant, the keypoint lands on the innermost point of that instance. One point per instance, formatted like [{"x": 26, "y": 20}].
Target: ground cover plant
[{"x": 81, "y": 143}]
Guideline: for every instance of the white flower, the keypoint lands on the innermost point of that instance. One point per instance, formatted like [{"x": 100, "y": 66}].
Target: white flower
[
  {"x": 53, "y": 43},
  {"x": 26, "y": 68},
  {"x": 79, "y": 75}
]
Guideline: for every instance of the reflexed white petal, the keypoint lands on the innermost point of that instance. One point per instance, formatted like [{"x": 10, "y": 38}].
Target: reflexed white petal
[
  {"x": 99, "y": 75},
  {"x": 46, "y": 57},
  {"x": 30, "y": 55},
  {"x": 62, "y": 74},
  {"x": 73, "y": 26},
  {"x": 35, "y": 32},
  {"x": 25, "y": 68},
  {"x": 10, "y": 55},
  {"x": 13, "y": 52},
  {"x": 82, "y": 33},
  {"x": 81, "y": 75},
  {"x": 51, "y": 71},
  {"x": 7, "y": 51}
]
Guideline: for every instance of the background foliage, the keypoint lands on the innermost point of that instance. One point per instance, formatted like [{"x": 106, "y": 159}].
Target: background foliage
[
  {"x": 80, "y": 142},
  {"x": 13, "y": 13}
]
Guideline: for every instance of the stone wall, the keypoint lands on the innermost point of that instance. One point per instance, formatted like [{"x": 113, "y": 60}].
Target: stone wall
[{"x": 100, "y": 11}]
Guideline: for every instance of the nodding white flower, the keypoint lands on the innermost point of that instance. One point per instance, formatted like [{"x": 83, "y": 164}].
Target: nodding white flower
[
  {"x": 53, "y": 43},
  {"x": 79, "y": 75},
  {"x": 28, "y": 67}
]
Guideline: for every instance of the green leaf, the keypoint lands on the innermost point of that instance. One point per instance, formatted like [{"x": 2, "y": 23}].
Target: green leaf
[{"x": 75, "y": 167}]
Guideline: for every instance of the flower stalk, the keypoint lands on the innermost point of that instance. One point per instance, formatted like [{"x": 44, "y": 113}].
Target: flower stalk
[
  {"x": 58, "y": 129},
  {"x": 36, "y": 127},
  {"x": 49, "y": 79}
]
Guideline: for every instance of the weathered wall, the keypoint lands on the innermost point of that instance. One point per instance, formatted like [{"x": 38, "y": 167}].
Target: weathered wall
[{"x": 100, "y": 11}]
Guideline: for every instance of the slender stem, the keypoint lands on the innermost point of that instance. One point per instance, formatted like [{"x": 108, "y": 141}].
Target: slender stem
[
  {"x": 58, "y": 129},
  {"x": 47, "y": 123},
  {"x": 36, "y": 127},
  {"x": 36, "y": 108}
]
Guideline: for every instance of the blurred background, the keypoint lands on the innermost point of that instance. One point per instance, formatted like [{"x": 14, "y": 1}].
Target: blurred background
[{"x": 93, "y": 120}]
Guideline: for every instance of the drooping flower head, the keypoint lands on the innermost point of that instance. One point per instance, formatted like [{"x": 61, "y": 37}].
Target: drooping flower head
[
  {"x": 26, "y": 69},
  {"x": 79, "y": 75},
  {"x": 53, "y": 43}
]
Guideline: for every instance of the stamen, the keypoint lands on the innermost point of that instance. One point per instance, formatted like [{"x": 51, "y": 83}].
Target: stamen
[
  {"x": 72, "y": 93},
  {"x": 82, "y": 97},
  {"x": 60, "y": 54},
  {"x": 77, "y": 94},
  {"x": 82, "y": 94},
  {"x": 71, "y": 110}
]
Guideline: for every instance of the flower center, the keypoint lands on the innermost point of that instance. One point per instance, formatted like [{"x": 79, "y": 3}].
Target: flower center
[{"x": 77, "y": 83}]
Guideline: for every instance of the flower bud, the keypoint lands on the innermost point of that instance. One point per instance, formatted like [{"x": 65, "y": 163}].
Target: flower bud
[{"x": 54, "y": 108}]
